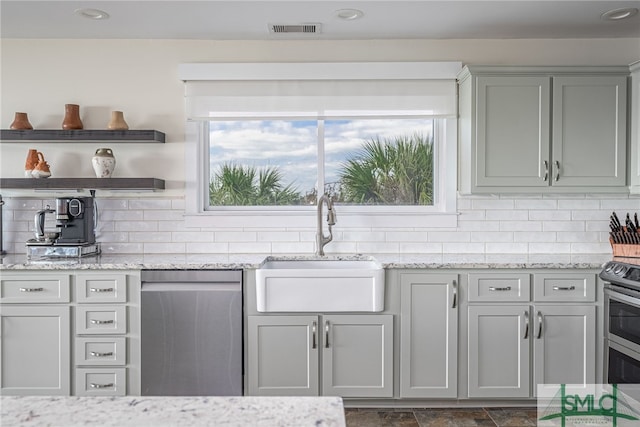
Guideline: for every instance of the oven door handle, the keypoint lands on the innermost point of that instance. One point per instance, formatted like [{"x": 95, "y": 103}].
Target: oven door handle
[{"x": 626, "y": 296}]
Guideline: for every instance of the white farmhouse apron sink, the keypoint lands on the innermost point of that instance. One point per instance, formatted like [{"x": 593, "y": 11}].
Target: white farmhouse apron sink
[{"x": 313, "y": 285}]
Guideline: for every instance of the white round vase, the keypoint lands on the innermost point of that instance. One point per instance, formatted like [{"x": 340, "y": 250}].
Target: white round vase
[{"x": 103, "y": 162}]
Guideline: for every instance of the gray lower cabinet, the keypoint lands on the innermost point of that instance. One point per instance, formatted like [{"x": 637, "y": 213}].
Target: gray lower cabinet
[
  {"x": 35, "y": 350},
  {"x": 333, "y": 355},
  {"x": 556, "y": 343},
  {"x": 428, "y": 335}
]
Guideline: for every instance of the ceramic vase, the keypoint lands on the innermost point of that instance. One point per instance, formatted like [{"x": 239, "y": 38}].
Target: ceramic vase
[
  {"x": 117, "y": 121},
  {"x": 21, "y": 121},
  {"x": 41, "y": 170},
  {"x": 103, "y": 162},
  {"x": 31, "y": 162},
  {"x": 71, "y": 117}
]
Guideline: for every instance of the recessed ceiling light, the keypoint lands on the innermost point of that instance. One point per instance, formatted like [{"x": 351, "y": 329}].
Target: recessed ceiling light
[
  {"x": 95, "y": 14},
  {"x": 349, "y": 14},
  {"x": 618, "y": 14}
]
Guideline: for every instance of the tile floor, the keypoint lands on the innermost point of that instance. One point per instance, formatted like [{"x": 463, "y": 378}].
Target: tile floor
[{"x": 441, "y": 417}]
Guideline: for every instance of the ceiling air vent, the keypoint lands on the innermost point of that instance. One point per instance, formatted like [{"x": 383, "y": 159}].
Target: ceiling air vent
[{"x": 295, "y": 28}]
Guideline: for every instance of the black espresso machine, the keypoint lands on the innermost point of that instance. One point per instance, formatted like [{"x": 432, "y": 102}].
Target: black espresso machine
[{"x": 74, "y": 233}]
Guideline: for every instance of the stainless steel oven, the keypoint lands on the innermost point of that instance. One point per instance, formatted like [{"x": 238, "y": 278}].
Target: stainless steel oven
[{"x": 622, "y": 323}]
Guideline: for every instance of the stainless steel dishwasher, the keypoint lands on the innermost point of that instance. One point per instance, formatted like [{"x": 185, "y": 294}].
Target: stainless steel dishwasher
[{"x": 191, "y": 334}]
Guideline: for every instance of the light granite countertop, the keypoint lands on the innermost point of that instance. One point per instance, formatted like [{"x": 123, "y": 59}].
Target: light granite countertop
[
  {"x": 250, "y": 261},
  {"x": 172, "y": 411}
]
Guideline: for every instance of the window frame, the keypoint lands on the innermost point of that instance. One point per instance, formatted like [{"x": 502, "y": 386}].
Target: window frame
[{"x": 441, "y": 214}]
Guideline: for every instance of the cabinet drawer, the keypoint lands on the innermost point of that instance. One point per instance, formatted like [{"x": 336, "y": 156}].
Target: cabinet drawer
[
  {"x": 101, "y": 382},
  {"x": 101, "y": 320},
  {"x": 101, "y": 351},
  {"x": 493, "y": 287},
  {"x": 101, "y": 288},
  {"x": 566, "y": 287},
  {"x": 22, "y": 288}
]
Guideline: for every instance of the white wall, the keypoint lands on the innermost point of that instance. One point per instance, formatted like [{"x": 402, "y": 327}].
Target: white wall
[{"x": 139, "y": 77}]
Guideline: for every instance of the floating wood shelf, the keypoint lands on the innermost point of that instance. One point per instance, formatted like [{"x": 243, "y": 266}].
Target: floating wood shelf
[
  {"x": 133, "y": 184},
  {"x": 84, "y": 135}
]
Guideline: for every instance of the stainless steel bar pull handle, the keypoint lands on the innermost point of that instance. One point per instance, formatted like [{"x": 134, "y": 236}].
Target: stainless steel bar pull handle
[
  {"x": 455, "y": 294},
  {"x": 314, "y": 330},
  {"x": 31, "y": 289},
  {"x": 110, "y": 385},
  {"x": 496, "y": 288},
  {"x": 546, "y": 171},
  {"x": 326, "y": 334},
  {"x": 564, "y": 288},
  {"x": 101, "y": 289},
  {"x": 526, "y": 324},
  {"x": 102, "y": 322},
  {"x": 96, "y": 354},
  {"x": 557, "y": 170},
  {"x": 540, "y": 319}
]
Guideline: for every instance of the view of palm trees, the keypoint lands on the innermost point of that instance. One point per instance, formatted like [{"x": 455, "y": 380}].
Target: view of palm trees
[{"x": 384, "y": 171}]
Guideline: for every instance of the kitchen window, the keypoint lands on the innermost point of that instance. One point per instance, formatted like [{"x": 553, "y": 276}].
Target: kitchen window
[{"x": 379, "y": 138}]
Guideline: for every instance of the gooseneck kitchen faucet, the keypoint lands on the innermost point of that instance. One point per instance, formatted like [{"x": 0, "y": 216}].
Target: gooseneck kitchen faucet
[{"x": 321, "y": 239}]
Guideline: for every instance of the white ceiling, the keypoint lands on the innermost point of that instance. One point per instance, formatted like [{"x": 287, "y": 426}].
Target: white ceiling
[{"x": 383, "y": 19}]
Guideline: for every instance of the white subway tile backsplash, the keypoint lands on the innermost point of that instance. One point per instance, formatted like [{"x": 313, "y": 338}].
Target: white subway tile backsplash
[
  {"x": 164, "y": 215},
  {"x": 153, "y": 237},
  {"x": 135, "y": 226},
  {"x": 528, "y": 236},
  {"x": 488, "y": 236},
  {"x": 277, "y": 236},
  {"x": 492, "y": 204},
  {"x": 511, "y": 215},
  {"x": 590, "y": 248},
  {"x": 520, "y": 226},
  {"x": 489, "y": 227},
  {"x": 551, "y": 215},
  {"x": 536, "y": 204},
  {"x": 579, "y": 204},
  {"x": 150, "y": 204},
  {"x": 549, "y": 248},
  {"x": 569, "y": 236},
  {"x": 506, "y": 248},
  {"x": 249, "y": 248},
  {"x": 421, "y": 248},
  {"x": 230, "y": 236},
  {"x": 192, "y": 236},
  {"x": 563, "y": 226},
  {"x": 164, "y": 248},
  {"x": 449, "y": 236},
  {"x": 463, "y": 248}
]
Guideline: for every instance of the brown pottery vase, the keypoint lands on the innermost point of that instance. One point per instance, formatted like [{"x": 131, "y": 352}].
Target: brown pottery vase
[
  {"x": 21, "y": 122},
  {"x": 31, "y": 162},
  {"x": 117, "y": 121},
  {"x": 71, "y": 117}
]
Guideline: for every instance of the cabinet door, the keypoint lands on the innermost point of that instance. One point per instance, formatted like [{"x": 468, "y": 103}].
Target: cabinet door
[
  {"x": 428, "y": 335},
  {"x": 499, "y": 351},
  {"x": 35, "y": 350},
  {"x": 357, "y": 355},
  {"x": 564, "y": 345},
  {"x": 512, "y": 140},
  {"x": 283, "y": 355},
  {"x": 589, "y": 131}
]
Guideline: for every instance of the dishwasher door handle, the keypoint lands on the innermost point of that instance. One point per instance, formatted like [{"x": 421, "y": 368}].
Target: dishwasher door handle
[{"x": 169, "y": 287}]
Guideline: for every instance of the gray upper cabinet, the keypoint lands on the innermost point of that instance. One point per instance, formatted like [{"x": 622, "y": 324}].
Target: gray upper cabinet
[
  {"x": 589, "y": 131},
  {"x": 635, "y": 128},
  {"x": 543, "y": 129},
  {"x": 512, "y": 130}
]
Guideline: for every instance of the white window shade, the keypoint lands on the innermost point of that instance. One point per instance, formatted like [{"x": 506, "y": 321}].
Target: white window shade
[{"x": 323, "y": 90}]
